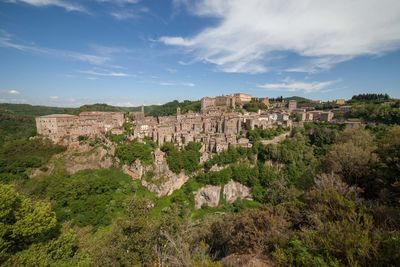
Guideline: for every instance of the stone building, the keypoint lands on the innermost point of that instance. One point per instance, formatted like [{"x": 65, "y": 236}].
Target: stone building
[
  {"x": 340, "y": 101},
  {"x": 292, "y": 105},
  {"x": 56, "y": 126},
  {"x": 241, "y": 98},
  {"x": 317, "y": 115},
  {"x": 221, "y": 103},
  {"x": 65, "y": 128}
]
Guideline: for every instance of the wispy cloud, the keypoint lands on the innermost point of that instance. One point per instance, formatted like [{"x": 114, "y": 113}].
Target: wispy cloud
[
  {"x": 188, "y": 84},
  {"x": 106, "y": 73},
  {"x": 125, "y": 14},
  {"x": 119, "y": 2},
  {"x": 8, "y": 42},
  {"x": 294, "y": 85},
  {"x": 58, "y": 3},
  {"x": 249, "y": 32}
]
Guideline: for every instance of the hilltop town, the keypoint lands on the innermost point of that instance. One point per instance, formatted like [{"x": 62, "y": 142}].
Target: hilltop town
[{"x": 220, "y": 123}]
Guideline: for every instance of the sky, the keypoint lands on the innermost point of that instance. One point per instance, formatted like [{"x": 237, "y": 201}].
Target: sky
[{"x": 133, "y": 52}]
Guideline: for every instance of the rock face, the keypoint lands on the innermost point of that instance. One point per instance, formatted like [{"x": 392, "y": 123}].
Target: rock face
[
  {"x": 135, "y": 171},
  {"x": 234, "y": 190},
  {"x": 208, "y": 195},
  {"x": 86, "y": 157},
  {"x": 217, "y": 168},
  {"x": 167, "y": 184},
  {"x": 162, "y": 182},
  {"x": 80, "y": 157}
]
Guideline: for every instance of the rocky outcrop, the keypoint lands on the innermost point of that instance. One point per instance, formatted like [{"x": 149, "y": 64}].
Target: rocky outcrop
[
  {"x": 135, "y": 171},
  {"x": 86, "y": 157},
  {"x": 217, "y": 168},
  {"x": 208, "y": 195},
  {"x": 159, "y": 179},
  {"x": 234, "y": 190},
  {"x": 165, "y": 185},
  {"x": 79, "y": 157}
]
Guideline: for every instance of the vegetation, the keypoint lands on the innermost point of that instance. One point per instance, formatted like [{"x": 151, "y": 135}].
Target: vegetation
[
  {"x": 370, "y": 97},
  {"x": 18, "y": 156},
  {"x": 263, "y": 134},
  {"x": 254, "y": 106},
  {"x": 85, "y": 198},
  {"x": 232, "y": 155},
  {"x": 129, "y": 152},
  {"x": 186, "y": 159},
  {"x": 325, "y": 196},
  {"x": 170, "y": 108},
  {"x": 373, "y": 112}
]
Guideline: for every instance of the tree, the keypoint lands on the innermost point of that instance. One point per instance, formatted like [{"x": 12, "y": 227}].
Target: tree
[
  {"x": 60, "y": 251},
  {"x": 128, "y": 153},
  {"x": 22, "y": 222},
  {"x": 353, "y": 158},
  {"x": 132, "y": 239},
  {"x": 389, "y": 153},
  {"x": 186, "y": 159}
]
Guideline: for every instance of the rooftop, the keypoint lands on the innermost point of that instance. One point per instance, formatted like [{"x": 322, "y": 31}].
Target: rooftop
[{"x": 57, "y": 116}]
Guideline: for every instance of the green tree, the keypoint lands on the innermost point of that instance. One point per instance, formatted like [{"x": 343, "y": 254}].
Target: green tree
[
  {"x": 353, "y": 158},
  {"x": 130, "y": 152},
  {"x": 22, "y": 222}
]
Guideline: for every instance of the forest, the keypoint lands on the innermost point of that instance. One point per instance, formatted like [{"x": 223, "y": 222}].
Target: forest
[{"x": 325, "y": 196}]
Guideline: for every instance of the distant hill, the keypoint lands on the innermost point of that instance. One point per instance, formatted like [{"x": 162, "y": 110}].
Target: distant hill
[
  {"x": 166, "y": 109},
  {"x": 170, "y": 108},
  {"x": 30, "y": 110},
  {"x": 97, "y": 107},
  {"x": 299, "y": 99}
]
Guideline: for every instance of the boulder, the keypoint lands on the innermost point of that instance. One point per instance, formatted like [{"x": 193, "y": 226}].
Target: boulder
[
  {"x": 208, "y": 195},
  {"x": 234, "y": 190}
]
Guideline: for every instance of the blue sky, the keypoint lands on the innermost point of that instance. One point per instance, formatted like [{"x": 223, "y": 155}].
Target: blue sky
[{"x": 133, "y": 52}]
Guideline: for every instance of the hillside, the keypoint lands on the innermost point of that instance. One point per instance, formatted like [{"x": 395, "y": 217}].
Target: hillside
[{"x": 322, "y": 180}]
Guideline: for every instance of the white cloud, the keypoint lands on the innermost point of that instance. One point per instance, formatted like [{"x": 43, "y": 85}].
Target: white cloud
[
  {"x": 188, "y": 84},
  {"x": 293, "y": 86},
  {"x": 58, "y": 3},
  {"x": 106, "y": 73},
  {"x": 13, "y": 92},
  {"x": 125, "y": 14},
  {"x": 323, "y": 32},
  {"x": 54, "y": 97}
]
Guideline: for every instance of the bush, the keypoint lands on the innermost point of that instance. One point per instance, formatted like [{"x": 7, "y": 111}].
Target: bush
[
  {"x": 187, "y": 159},
  {"x": 128, "y": 153}
]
